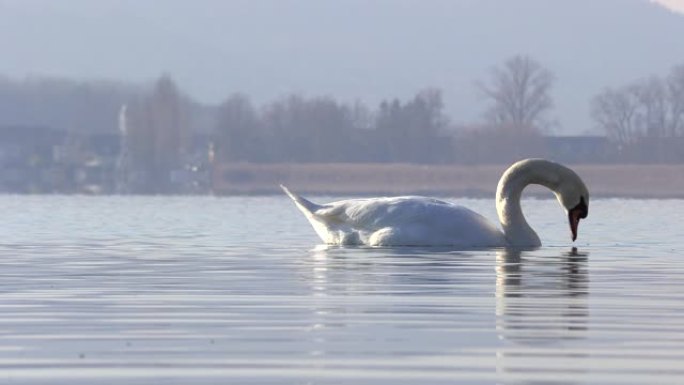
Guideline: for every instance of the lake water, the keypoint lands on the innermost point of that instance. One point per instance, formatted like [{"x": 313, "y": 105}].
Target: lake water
[{"x": 198, "y": 290}]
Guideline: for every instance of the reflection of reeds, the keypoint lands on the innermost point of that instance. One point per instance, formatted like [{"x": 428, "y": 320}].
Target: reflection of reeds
[{"x": 657, "y": 181}]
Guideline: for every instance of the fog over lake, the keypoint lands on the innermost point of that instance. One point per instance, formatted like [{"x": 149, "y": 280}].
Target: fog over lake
[{"x": 352, "y": 50}]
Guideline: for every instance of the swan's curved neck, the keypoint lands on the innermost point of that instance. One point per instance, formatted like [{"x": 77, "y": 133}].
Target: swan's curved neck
[{"x": 508, "y": 193}]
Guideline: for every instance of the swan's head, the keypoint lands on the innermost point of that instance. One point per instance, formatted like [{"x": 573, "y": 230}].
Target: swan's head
[
  {"x": 569, "y": 188},
  {"x": 573, "y": 195}
]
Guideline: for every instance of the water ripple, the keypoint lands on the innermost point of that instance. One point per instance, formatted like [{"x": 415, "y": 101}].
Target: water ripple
[{"x": 138, "y": 290}]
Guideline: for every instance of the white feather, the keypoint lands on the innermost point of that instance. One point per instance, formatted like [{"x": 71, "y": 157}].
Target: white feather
[{"x": 421, "y": 221}]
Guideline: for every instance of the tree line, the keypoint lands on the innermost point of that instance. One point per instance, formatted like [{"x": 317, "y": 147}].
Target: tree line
[
  {"x": 322, "y": 129},
  {"x": 163, "y": 122},
  {"x": 645, "y": 118}
]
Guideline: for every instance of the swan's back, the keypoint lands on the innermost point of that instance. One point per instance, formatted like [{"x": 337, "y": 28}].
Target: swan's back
[{"x": 399, "y": 221}]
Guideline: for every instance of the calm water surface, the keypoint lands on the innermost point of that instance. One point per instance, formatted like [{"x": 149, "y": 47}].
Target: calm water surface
[{"x": 120, "y": 290}]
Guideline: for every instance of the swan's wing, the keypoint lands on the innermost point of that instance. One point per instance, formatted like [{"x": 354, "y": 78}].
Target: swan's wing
[
  {"x": 408, "y": 220},
  {"x": 330, "y": 221},
  {"x": 379, "y": 212}
]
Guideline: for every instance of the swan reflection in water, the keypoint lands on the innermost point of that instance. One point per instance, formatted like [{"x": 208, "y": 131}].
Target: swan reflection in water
[
  {"x": 541, "y": 300},
  {"x": 383, "y": 293},
  {"x": 429, "y": 303}
]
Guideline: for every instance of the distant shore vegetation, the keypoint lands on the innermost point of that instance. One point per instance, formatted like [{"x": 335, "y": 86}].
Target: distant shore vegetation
[{"x": 59, "y": 135}]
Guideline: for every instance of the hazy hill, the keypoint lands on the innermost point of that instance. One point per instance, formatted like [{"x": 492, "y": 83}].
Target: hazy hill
[{"x": 348, "y": 49}]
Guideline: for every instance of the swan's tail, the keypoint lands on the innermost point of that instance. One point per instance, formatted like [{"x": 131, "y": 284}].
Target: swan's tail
[{"x": 306, "y": 206}]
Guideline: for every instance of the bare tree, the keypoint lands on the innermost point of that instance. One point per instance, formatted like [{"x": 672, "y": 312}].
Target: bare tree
[
  {"x": 519, "y": 94},
  {"x": 413, "y": 131},
  {"x": 168, "y": 116},
  {"x": 675, "y": 90},
  {"x": 158, "y": 136},
  {"x": 237, "y": 130},
  {"x": 652, "y": 108},
  {"x": 615, "y": 112},
  {"x": 318, "y": 129}
]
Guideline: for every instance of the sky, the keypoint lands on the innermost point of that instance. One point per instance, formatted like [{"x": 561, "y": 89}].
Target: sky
[
  {"x": 365, "y": 50},
  {"x": 673, "y": 5}
]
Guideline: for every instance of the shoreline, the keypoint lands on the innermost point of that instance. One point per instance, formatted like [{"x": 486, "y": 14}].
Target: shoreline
[{"x": 477, "y": 181}]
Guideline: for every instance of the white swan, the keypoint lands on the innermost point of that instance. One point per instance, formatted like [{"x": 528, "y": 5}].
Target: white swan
[{"x": 420, "y": 221}]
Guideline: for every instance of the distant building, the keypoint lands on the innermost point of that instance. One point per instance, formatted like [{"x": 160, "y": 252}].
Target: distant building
[
  {"x": 95, "y": 163},
  {"x": 662, "y": 150},
  {"x": 580, "y": 149},
  {"x": 46, "y": 160},
  {"x": 28, "y": 159},
  {"x": 194, "y": 175}
]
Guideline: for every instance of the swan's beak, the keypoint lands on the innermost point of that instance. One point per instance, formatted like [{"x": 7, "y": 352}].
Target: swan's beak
[
  {"x": 574, "y": 218},
  {"x": 575, "y": 214}
]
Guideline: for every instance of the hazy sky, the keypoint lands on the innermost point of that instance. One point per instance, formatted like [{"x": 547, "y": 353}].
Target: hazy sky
[
  {"x": 674, "y": 5},
  {"x": 365, "y": 49}
]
